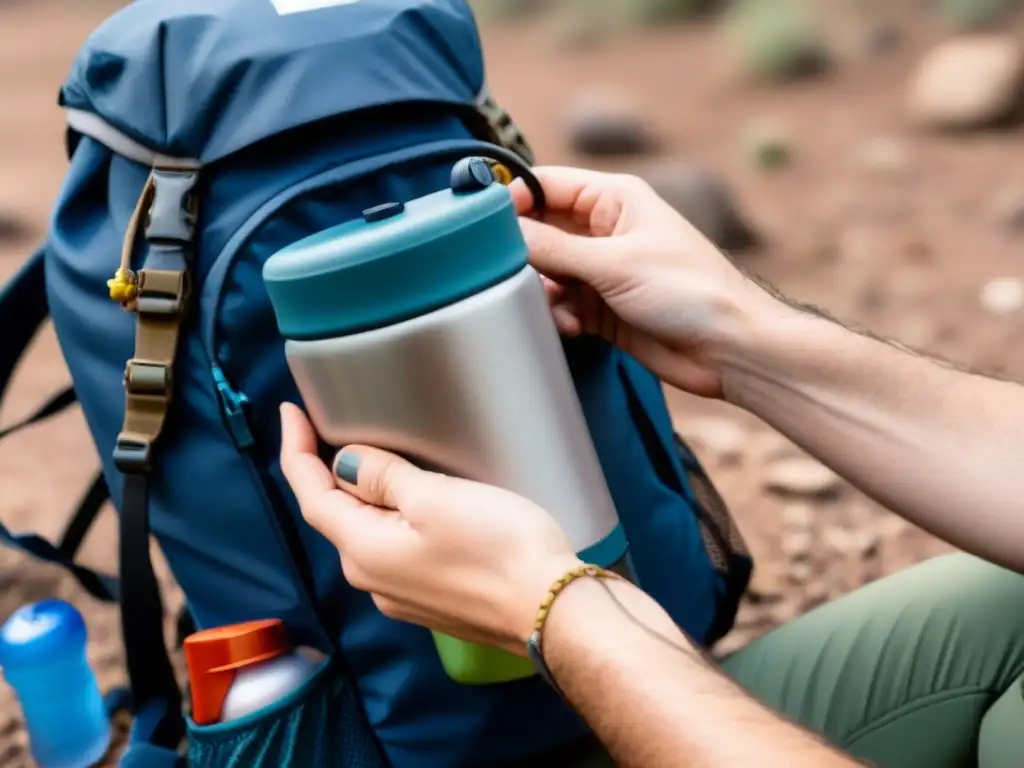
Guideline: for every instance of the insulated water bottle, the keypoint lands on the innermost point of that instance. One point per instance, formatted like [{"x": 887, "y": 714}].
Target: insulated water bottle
[
  {"x": 42, "y": 655},
  {"x": 420, "y": 328}
]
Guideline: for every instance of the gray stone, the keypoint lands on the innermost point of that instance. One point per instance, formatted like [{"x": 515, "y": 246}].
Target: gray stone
[
  {"x": 700, "y": 197},
  {"x": 601, "y": 127},
  {"x": 13, "y": 228}
]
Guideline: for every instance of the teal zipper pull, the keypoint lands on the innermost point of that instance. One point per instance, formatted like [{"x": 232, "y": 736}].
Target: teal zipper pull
[{"x": 233, "y": 406}]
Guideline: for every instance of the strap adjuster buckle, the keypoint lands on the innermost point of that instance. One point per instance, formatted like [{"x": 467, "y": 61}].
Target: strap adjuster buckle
[
  {"x": 146, "y": 378},
  {"x": 162, "y": 292},
  {"x": 132, "y": 456}
]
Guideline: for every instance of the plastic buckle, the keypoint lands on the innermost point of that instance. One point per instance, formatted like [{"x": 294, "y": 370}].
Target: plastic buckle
[
  {"x": 143, "y": 378},
  {"x": 162, "y": 292},
  {"x": 132, "y": 456},
  {"x": 172, "y": 215}
]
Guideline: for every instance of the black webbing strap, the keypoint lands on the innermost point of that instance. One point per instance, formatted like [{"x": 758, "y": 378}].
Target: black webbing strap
[
  {"x": 142, "y": 617},
  {"x": 59, "y": 402},
  {"x": 100, "y": 585}
]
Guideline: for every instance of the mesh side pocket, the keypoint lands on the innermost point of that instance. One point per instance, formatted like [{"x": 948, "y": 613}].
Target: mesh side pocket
[
  {"x": 319, "y": 725},
  {"x": 722, "y": 540}
]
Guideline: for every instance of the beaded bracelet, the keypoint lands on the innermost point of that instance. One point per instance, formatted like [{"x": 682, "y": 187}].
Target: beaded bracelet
[{"x": 533, "y": 649}]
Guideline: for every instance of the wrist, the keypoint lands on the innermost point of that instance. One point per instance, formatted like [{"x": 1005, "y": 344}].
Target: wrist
[
  {"x": 529, "y": 592},
  {"x": 762, "y": 340}
]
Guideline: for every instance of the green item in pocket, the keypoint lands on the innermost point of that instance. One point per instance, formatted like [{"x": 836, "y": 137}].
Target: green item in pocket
[{"x": 473, "y": 664}]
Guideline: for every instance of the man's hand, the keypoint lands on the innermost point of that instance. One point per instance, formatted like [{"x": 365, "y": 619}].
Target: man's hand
[
  {"x": 467, "y": 559},
  {"x": 619, "y": 262}
]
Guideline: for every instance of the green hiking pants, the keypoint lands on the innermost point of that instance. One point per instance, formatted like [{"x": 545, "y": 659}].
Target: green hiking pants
[{"x": 922, "y": 669}]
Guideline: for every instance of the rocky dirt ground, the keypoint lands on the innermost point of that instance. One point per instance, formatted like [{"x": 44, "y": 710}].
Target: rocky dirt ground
[{"x": 854, "y": 200}]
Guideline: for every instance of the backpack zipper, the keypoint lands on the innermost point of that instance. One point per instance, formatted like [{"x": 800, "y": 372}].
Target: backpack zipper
[{"x": 232, "y": 405}]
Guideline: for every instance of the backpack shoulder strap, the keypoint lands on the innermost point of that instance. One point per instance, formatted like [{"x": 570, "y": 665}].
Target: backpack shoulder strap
[{"x": 23, "y": 309}]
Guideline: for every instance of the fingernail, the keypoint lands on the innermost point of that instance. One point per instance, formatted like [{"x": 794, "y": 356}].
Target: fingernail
[{"x": 346, "y": 467}]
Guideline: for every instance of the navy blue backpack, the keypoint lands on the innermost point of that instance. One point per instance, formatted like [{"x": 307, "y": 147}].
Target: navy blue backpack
[{"x": 203, "y": 136}]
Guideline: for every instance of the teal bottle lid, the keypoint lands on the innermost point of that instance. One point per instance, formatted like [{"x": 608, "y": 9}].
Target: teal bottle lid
[{"x": 397, "y": 262}]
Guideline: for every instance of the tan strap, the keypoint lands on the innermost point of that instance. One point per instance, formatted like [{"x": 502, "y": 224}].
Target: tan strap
[{"x": 160, "y": 301}]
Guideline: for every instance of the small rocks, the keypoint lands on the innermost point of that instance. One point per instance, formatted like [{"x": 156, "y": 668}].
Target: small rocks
[
  {"x": 13, "y": 228},
  {"x": 767, "y": 583},
  {"x": 603, "y": 126},
  {"x": 969, "y": 82},
  {"x": 798, "y": 517},
  {"x": 797, "y": 545},
  {"x": 883, "y": 157},
  {"x": 1007, "y": 209},
  {"x": 724, "y": 438},
  {"x": 700, "y": 197},
  {"x": 1003, "y": 295},
  {"x": 800, "y": 572},
  {"x": 859, "y": 544},
  {"x": 801, "y": 477}
]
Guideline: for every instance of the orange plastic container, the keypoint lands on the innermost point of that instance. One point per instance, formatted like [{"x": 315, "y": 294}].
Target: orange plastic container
[{"x": 214, "y": 656}]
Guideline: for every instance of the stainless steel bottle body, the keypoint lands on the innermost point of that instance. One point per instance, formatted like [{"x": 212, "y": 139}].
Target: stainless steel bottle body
[{"x": 479, "y": 389}]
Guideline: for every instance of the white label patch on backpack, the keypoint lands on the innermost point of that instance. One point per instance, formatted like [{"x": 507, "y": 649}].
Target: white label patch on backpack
[{"x": 285, "y": 7}]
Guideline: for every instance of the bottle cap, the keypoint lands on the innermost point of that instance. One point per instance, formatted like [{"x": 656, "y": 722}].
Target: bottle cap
[
  {"x": 215, "y": 655},
  {"x": 41, "y": 631},
  {"x": 397, "y": 261}
]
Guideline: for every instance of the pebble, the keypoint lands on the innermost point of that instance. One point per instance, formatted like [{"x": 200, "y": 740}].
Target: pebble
[
  {"x": 860, "y": 543},
  {"x": 12, "y": 227},
  {"x": 1003, "y": 295},
  {"x": 705, "y": 201},
  {"x": 800, "y": 572},
  {"x": 766, "y": 583},
  {"x": 797, "y": 545},
  {"x": 971, "y": 81},
  {"x": 604, "y": 125},
  {"x": 724, "y": 438},
  {"x": 883, "y": 156},
  {"x": 801, "y": 476},
  {"x": 798, "y": 517},
  {"x": 1007, "y": 208}
]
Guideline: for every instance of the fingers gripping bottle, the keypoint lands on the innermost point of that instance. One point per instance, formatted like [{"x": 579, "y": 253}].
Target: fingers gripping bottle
[
  {"x": 42, "y": 655},
  {"x": 421, "y": 329}
]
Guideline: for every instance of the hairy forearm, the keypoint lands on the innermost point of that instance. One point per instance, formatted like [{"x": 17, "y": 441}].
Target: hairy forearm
[
  {"x": 938, "y": 445},
  {"x": 651, "y": 697}
]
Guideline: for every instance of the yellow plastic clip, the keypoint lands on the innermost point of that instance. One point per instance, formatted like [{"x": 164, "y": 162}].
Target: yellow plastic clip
[
  {"x": 501, "y": 173},
  {"x": 123, "y": 286}
]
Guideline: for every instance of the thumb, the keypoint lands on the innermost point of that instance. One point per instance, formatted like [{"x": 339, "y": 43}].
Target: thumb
[
  {"x": 560, "y": 255},
  {"x": 378, "y": 477}
]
